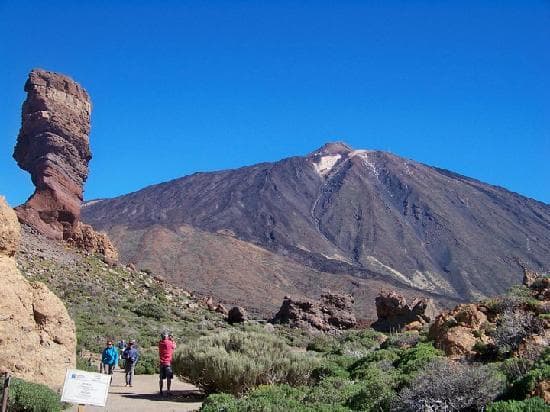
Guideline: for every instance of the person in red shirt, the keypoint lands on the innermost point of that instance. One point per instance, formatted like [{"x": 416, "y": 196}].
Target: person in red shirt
[{"x": 166, "y": 350}]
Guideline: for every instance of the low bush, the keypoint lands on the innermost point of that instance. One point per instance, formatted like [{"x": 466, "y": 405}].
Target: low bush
[
  {"x": 376, "y": 391},
  {"x": 331, "y": 366},
  {"x": 402, "y": 340},
  {"x": 528, "y": 405},
  {"x": 86, "y": 365},
  {"x": 237, "y": 361},
  {"x": 150, "y": 310},
  {"x": 445, "y": 384},
  {"x": 148, "y": 363},
  {"x": 322, "y": 343},
  {"x": 525, "y": 384},
  {"x": 512, "y": 328},
  {"x": 412, "y": 360},
  {"x": 220, "y": 402},
  {"x": 27, "y": 396}
]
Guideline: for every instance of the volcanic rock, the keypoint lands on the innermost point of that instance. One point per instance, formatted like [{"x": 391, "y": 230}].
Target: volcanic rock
[
  {"x": 394, "y": 313},
  {"x": 236, "y": 315},
  {"x": 37, "y": 336},
  {"x": 53, "y": 146},
  {"x": 9, "y": 230},
  {"x": 456, "y": 332},
  {"x": 333, "y": 311}
]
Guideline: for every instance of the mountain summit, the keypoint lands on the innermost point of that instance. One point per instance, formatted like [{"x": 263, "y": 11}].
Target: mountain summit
[{"x": 338, "y": 217}]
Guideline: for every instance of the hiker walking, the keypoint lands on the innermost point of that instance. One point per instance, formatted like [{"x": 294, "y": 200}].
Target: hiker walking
[
  {"x": 109, "y": 359},
  {"x": 121, "y": 345},
  {"x": 166, "y": 350},
  {"x": 130, "y": 356}
]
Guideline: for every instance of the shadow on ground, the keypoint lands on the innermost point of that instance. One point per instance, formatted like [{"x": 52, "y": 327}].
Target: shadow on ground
[{"x": 183, "y": 396}]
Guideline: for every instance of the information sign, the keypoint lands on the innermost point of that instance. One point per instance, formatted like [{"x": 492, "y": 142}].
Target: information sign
[{"x": 85, "y": 388}]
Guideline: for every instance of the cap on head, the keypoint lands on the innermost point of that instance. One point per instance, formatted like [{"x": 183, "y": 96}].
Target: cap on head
[{"x": 164, "y": 335}]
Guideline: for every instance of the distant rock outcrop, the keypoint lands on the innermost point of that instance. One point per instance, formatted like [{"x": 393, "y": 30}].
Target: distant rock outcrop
[
  {"x": 333, "y": 311},
  {"x": 37, "y": 336},
  {"x": 456, "y": 332},
  {"x": 237, "y": 315},
  {"x": 53, "y": 146},
  {"x": 394, "y": 313}
]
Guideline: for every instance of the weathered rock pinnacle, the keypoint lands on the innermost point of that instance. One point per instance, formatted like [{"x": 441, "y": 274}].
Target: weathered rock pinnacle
[{"x": 53, "y": 146}]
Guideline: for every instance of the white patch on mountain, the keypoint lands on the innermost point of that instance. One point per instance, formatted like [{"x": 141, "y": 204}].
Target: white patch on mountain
[{"x": 326, "y": 164}]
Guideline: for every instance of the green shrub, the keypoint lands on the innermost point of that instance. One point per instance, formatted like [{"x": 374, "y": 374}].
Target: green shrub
[
  {"x": 271, "y": 398},
  {"x": 376, "y": 393},
  {"x": 220, "y": 402},
  {"x": 148, "y": 363},
  {"x": 332, "y": 391},
  {"x": 528, "y": 405},
  {"x": 329, "y": 367},
  {"x": 383, "y": 358},
  {"x": 150, "y": 310},
  {"x": 402, "y": 340},
  {"x": 414, "y": 359},
  {"x": 27, "y": 396},
  {"x": 522, "y": 386},
  {"x": 322, "y": 343},
  {"x": 85, "y": 365},
  {"x": 236, "y": 361}
]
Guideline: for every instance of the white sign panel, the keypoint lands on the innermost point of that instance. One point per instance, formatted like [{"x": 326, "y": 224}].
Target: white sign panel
[{"x": 86, "y": 388}]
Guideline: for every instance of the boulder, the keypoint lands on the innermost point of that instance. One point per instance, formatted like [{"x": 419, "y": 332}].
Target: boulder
[
  {"x": 332, "y": 312},
  {"x": 37, "y": 336},
  {"x": 237, "y": 315},
  {"x": 394, "y": 313},
  {"x": 10, "y": 234},
  {"x": 221, "y": 309},
  {"x": 456, "y": 332}
]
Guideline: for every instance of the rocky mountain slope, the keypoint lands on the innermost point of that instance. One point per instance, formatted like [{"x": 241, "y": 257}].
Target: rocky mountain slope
[
  {"x": 37, "y": 336},
  {"x": 366, "y": 215}
]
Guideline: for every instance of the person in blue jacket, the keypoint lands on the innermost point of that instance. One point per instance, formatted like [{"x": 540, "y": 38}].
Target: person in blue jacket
[{"x": 109, "y": 359}]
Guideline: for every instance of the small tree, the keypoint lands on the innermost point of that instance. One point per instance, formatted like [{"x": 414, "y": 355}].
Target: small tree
[{"x": 446, "y": 384}]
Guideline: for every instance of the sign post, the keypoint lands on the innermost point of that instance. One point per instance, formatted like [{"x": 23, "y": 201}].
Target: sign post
[
  {"x": 5, "y": 392},
  {"x": 85, "y": 388}
]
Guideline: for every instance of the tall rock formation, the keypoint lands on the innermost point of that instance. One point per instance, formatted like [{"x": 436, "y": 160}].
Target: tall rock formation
[
  {"x": 37, "y": 336},
  {"x": 53, "y": 146}
]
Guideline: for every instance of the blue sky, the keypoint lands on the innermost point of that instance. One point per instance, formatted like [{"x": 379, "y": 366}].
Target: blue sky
[{"x": 185, "y": 86}]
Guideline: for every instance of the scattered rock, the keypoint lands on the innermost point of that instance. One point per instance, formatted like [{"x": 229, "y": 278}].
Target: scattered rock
[
  {"x": 221, "y": 309},
  {"x": 542, "y": 390},
  {"x": 37, "y": 339},
  {"x": 85, "y": 237},
  {"x": 333, "y": 311},
  {"x": 394, "y": 313},
  {"x": 237, "y": 315}
]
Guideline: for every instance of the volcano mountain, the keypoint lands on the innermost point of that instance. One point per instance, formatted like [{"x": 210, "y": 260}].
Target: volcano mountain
[{"x": 339, "y": 218}]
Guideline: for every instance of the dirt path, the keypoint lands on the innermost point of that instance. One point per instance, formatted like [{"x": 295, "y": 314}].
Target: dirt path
[{"x": 144, "y": 396}]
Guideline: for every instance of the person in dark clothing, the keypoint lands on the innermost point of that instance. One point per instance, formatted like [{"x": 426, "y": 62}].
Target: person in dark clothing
[{"x": 130, "y": 356}]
